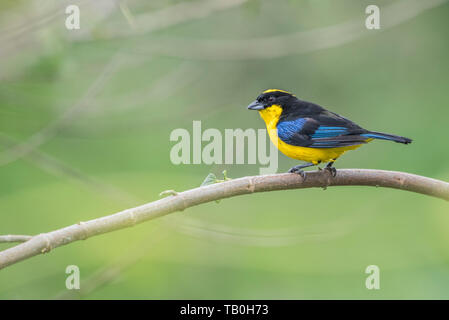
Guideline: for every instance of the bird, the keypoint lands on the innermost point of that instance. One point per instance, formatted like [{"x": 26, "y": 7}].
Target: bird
[{"x": 308, "y": 132}]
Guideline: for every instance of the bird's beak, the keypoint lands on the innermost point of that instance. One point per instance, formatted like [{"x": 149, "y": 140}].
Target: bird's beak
[{"x": 255, "y": 105}]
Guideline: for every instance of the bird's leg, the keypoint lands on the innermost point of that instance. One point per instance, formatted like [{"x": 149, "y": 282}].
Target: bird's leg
[
  {"x": 298, "y": 169},
  {"x": 331, "y": 169}
]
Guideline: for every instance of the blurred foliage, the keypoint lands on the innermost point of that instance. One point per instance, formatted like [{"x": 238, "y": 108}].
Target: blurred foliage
[{"x": 297, "y": 244}]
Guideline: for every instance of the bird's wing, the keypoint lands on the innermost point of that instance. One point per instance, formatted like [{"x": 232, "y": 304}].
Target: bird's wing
[{"x": 321, "y": 131}]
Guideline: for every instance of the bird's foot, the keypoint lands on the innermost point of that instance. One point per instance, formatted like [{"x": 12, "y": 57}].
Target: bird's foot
[
  {"x": 298, "y": 170},
  {"x": 331, "y": 170}
]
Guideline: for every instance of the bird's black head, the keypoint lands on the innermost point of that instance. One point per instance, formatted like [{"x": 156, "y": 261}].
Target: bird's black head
[{"x": 271, "y": 97}]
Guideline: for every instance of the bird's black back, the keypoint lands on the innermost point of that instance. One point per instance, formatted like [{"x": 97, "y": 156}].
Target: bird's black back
[{"x": 295, "y": 108}]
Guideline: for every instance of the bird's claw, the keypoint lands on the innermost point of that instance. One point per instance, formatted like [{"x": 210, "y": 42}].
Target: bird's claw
[
  {"x": 302, "y": 173},
  {"x": 332, "y": 171}
]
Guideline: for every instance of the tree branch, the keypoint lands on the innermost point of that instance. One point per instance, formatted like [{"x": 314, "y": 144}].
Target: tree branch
[{"x": 45, "y": 242}]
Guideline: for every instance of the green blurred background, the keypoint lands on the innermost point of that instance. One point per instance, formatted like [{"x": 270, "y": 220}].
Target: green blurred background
[{"x": 85, "y": 119}]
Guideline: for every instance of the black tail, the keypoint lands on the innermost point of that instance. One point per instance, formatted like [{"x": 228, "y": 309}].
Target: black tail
[{"x": 386, "y": 136}]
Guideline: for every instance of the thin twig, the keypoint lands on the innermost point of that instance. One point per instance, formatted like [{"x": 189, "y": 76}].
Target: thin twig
[
  {"x": 14, "y": 238},
  {"x": 300, "y": 42},
  {"x": 45, "y": 242},
  {"x": 59, "y": 168},
  {"x": 42, "y": 136},
  {"x": 168, "y": 17}
]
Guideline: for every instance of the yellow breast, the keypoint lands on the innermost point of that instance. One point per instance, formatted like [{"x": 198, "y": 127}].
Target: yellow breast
[{"x": 315, "y": 155}]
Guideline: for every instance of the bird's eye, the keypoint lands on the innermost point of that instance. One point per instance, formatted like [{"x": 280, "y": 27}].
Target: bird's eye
[{"x": 271, "y": 99}]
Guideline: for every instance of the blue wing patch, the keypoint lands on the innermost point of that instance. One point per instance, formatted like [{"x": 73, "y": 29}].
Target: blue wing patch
[
  {"x": 287, "y": 129},
  {"x": 328, "y": 132},
  {"x": 333, "y": 137},
  {"x": 291, "y": 132}
]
